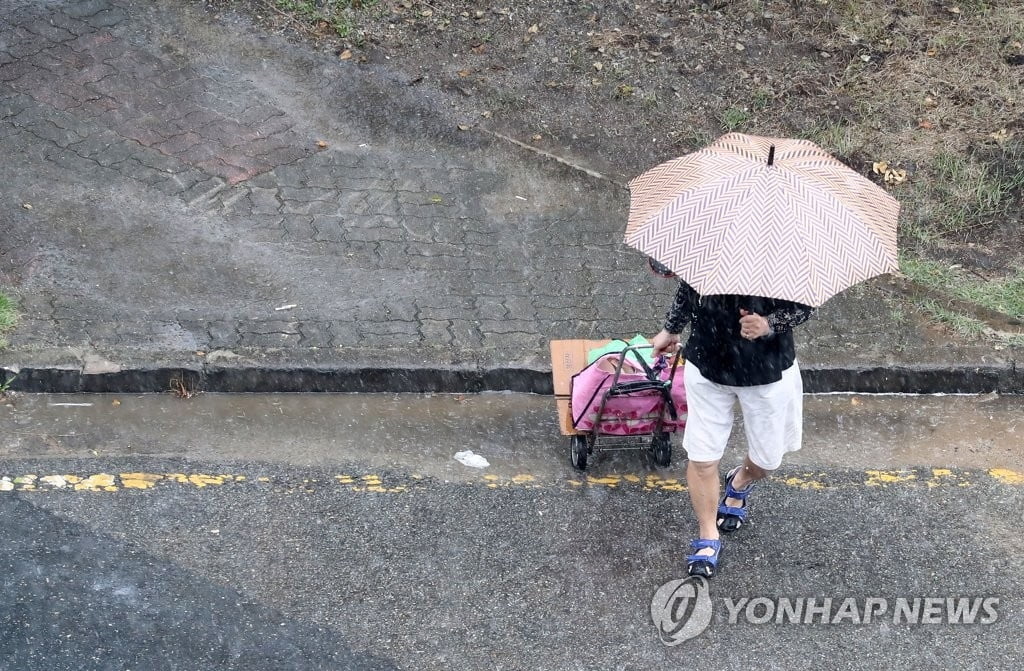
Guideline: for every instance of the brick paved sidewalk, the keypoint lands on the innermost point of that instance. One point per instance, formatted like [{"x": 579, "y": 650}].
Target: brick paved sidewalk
[{"x": 183, "y": 193}]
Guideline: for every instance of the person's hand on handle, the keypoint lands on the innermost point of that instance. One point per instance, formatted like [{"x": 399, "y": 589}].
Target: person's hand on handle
[
  {"x": 665, "y": 343},
  {"x": 753, "y": 325}
]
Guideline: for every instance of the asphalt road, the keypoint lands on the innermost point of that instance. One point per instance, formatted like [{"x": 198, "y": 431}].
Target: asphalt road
[{"x": 156, "y": 556}]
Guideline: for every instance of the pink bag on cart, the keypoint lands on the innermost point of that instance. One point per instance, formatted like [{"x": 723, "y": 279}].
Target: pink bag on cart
[{"x": 635, "y": 412}]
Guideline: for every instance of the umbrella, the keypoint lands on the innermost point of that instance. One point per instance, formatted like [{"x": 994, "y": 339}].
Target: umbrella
[{"x": 764, "y": 216}]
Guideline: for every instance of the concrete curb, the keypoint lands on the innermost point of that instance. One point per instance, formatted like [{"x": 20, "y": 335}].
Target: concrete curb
[{"x": 1004, "y": 379}]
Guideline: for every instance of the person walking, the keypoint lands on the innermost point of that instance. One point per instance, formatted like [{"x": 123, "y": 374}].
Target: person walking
[
  {"x": 760, "y": 231},
  {"x": 740, "y": 348}
]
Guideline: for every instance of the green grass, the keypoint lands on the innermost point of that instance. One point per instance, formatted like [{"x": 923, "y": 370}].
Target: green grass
[
  {"x": 1005, "y": 296},
  {"x": 836, "y": 138},
  {"x": 962, "y": 324},
  {"x": 8, "y": 317},
  {"x": 693, "y": 138},
  {"x": 975, "y": 191},
  {"x": 762, "y": 97},
  {"x": 338, "y": 15},
  {"x": 968, "y": 326},
  {"x": 734, "y": 118}
]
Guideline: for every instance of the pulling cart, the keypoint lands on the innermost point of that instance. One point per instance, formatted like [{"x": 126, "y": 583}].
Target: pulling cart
[{"x": 618, "y": 402}]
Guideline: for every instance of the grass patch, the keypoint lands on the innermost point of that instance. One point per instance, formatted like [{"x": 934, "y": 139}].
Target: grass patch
[
  {"x": 962, "y": 324},
  {"x": 968, "y": 326},
  {"x": 324, "y": 16},
  {"x": 977, "y": 191},
  {"x": 8, "y": 317},
  {"x": 959, "y": 195},
  {"x": 734, "y": 119},
  {"x": 1005, "y": 296},
  {"x": 837, "y": 138}
]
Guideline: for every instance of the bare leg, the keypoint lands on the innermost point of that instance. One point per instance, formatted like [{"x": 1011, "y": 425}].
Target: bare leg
[
  {"x": 748, "y": 474},
  {"x": 702, "y": 480}
]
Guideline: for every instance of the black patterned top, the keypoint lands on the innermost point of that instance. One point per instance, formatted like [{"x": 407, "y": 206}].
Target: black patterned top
[{"x": 715, "y": 345}]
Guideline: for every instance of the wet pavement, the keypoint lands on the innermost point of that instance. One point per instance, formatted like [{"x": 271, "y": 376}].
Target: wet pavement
[
  {"x": 190, "y": 199},
  {"x": 337, "y": 531},
  {"x": 517, "y": 433}
]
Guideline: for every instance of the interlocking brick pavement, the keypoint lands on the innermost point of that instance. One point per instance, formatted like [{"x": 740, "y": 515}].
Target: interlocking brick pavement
[{"x": 198, "y": 186}]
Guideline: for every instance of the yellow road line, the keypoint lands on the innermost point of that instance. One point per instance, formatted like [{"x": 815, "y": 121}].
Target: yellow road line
[
  {"x": 1006, "y": 476},
  {"x": 376, "y": 484}
]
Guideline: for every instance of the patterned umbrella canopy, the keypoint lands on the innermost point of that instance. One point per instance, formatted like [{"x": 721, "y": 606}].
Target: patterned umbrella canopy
[{"x": 763, "y": 216}]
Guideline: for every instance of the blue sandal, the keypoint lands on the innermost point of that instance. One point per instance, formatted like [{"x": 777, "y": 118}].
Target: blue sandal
[
  {"x": 731, "y": 518},
  {"x": 703, "y": 565}
]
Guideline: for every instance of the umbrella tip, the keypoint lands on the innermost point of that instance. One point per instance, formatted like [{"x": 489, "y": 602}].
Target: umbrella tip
[{"x": 771, "y": 155}]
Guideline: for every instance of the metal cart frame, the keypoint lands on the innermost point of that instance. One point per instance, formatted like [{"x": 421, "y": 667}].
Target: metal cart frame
[{"x": 585, "y": 443}]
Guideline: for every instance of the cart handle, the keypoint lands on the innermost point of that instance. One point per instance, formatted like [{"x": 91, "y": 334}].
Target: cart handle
[{"x": 652, "y": 373}]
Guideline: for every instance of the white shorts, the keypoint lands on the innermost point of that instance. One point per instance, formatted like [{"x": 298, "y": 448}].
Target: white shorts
[{"x": 772, "y": 417}]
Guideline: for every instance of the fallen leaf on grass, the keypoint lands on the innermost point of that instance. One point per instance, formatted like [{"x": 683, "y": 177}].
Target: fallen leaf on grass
[
  {"x": 1001, "y": 136},
  {"x": 463, "y": 126},
  {"x": 345, "y": 55},
  {"x": 537, "y": 138},
  {"x": 889, "y": 175},
  {"x": 925, "y": 124},
  {"x": 321, "y": 144},
  {"x": 895, "y": 176},
  {"x": 534, "y": 29},
  {"x": 464, "y": 73}
]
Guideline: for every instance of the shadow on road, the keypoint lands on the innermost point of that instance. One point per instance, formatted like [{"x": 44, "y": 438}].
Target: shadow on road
[{"x": 75, "y": 599}]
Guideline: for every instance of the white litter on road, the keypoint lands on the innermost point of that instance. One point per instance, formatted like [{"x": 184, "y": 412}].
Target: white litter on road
[{"x": 468, "y": 458}]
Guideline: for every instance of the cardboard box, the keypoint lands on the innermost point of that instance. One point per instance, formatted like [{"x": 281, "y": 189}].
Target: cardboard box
[
  {"x": 568, "y": 357},
  {"x": 565, "y": 417}
]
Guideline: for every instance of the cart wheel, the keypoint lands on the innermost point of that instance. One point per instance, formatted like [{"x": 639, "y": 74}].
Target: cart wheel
[
  {"x": 579, "y": 448},
  {"x": 661, "y": 448}
]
